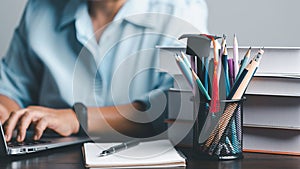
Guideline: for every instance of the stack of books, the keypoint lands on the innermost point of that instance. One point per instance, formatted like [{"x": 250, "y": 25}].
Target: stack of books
[
  {"x": 272, "y": 110},
  {"x": 271, "y": 116}
]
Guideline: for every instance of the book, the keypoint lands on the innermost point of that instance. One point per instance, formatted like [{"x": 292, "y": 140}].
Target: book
[
  {"x": 180, "y": 117},
  {"x": 149, "y": 154},
  {"x": 272, "y": 100},
  {"x": 272, "y": 111},
  {"x": 275, "y": 84},
  {"x": 283, "y": 60},
  {"x": 181, "y": 104},
  {"x": 271, "y": 140}
]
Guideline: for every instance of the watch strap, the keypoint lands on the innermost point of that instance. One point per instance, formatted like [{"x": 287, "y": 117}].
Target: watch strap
[{"x": 81, "y": 112}]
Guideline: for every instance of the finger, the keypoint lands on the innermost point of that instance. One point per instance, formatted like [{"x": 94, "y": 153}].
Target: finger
[
  {"x": 24, "y": 123},
  {"x": 11, "y": 123},
  {"x": 40, "y": 128}
]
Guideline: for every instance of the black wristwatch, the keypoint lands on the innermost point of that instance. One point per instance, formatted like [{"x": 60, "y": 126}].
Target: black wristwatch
[{"x": 81, "y": 112}]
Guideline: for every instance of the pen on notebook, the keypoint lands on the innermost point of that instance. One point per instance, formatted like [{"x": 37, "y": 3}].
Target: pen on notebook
[
  {"x": 119, "y": 147},
  {"x": 235, "y": 56}
]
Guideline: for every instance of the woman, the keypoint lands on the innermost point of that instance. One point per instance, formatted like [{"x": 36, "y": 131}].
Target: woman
[{"x": 100, "y": 53}]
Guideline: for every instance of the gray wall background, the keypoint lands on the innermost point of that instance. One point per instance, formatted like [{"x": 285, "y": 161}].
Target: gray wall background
[
  {"x": 10, "y": 13},
  {"x": 256, "y": 22}
]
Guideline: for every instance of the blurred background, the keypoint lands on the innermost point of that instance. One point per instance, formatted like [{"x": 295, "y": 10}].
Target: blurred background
[{"x": 256, "y": 22}]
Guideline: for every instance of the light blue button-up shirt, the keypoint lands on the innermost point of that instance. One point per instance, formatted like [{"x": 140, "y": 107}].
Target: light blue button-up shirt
[{"x": 54, "y": 59}]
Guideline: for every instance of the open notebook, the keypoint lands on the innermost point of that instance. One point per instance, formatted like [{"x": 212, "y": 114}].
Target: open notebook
[{"x": 159, "y": 153}]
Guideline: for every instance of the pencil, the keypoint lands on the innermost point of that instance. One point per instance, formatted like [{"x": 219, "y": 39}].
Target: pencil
[
  {"x": 244, "y": 62},
  {"x": 185, "y": 70},
  {"x": 205, "y": 68},
  {"x": 242, "y": 67},
  {"x": 231, "y": 71},
  {"x": 242, "y": 82},
  {"x": 200, "y": 85},
  {"x": 226, "y": 71},
  {"x": 214, "y": 106},
  {"x": 236, "y": 93},
  {"x": 223, "y": 44},
  {"x": 185, "y": 59},
  {"x": 217, "y": 133},
  {"x": 235, "y": 56}
]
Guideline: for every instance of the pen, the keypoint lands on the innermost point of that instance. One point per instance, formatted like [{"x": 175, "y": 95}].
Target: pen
[{"x": 120, "y": 147}]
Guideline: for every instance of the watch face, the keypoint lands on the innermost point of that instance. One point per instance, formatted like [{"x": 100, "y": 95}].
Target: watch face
[{"x": 79, "y": 107}]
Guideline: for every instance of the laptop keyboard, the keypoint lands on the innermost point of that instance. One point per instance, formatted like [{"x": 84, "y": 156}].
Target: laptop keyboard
[{"x": 28, "y": 142}]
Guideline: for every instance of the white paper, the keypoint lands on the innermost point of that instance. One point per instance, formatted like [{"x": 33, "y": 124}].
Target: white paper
[{"x": 160, "y": 153}]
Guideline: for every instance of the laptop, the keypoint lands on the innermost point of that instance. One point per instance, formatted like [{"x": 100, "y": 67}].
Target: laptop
[{"x": 48, "y": 141}]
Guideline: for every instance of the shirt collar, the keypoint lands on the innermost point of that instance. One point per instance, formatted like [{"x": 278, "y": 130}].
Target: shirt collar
[
  {"x": 135, "y": 12},
  {"x": 132, "y": 12},
  {"x": 69, "y": 13}
]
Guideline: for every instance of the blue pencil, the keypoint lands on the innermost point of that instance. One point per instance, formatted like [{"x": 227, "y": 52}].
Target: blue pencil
[
  {"x": 185, "y": 70},
  {"x": 200, "y": 85},
  {"x": 244, "y": 63},
  {"x": 185, "y": 59}
]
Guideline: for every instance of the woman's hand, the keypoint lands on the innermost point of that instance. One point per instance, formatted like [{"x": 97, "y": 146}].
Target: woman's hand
[{"x": 62, "y": 121}]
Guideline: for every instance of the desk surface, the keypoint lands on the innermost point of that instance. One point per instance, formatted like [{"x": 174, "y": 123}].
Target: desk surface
[{"x": 71, "y": 157}]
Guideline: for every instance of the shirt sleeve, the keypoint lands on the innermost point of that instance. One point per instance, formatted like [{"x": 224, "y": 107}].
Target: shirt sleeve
[
  {"x": 164, "y": 82},
  {"x": 20, "y": 69}
]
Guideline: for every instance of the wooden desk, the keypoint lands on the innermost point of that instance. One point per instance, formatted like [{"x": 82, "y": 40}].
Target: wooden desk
[{"x": 71, "y": 158}]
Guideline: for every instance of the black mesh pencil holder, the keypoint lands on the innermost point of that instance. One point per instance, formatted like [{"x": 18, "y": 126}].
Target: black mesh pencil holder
[{"x": 218, "y": 135}]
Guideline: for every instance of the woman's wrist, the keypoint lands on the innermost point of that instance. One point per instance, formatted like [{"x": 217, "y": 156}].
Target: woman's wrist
[
  {"x": 4, "y": 113},
  {"x": 7, "y": 106},
  {"x": 76, "y": 124}
]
